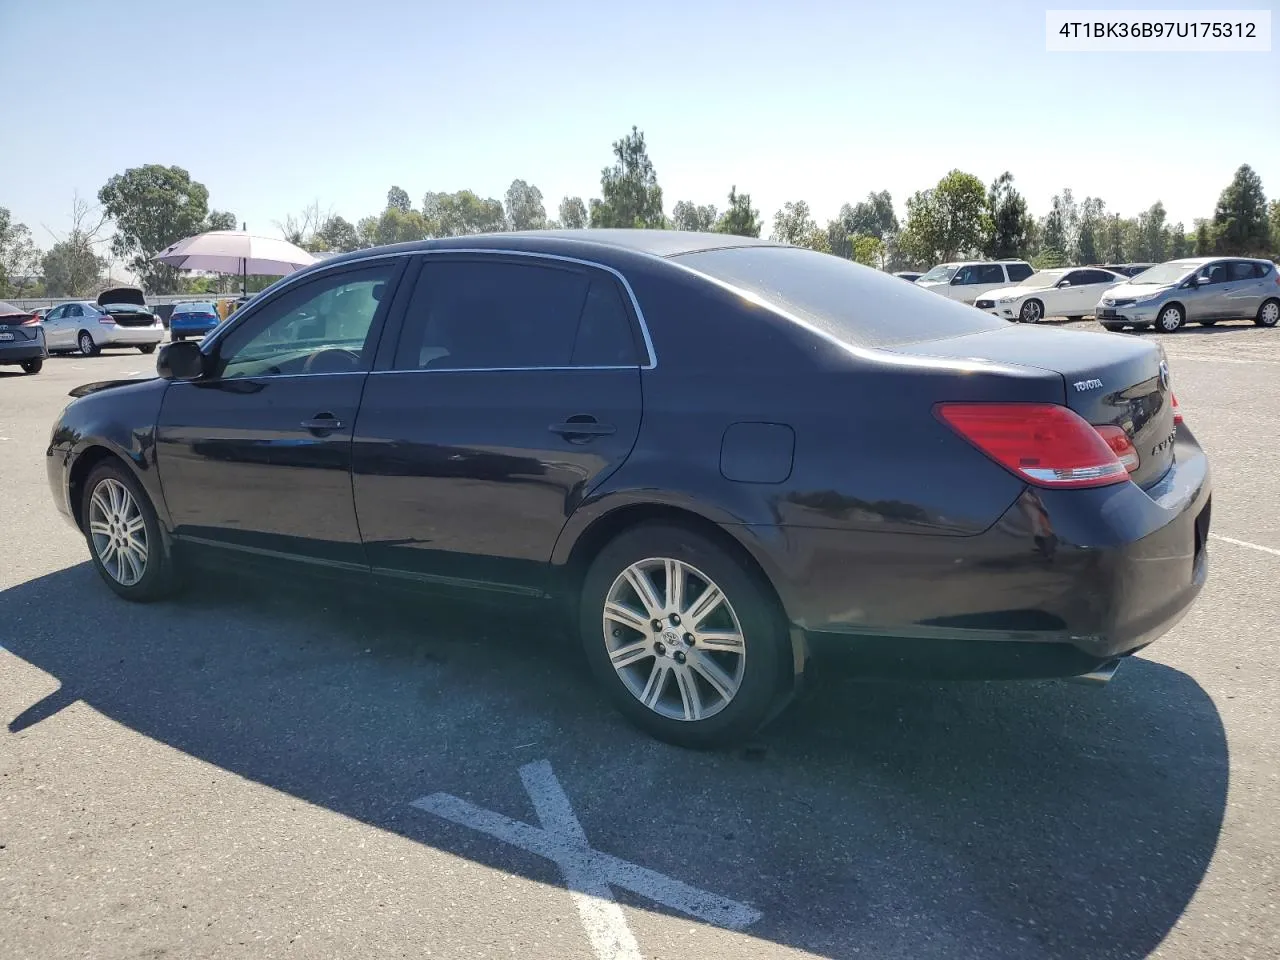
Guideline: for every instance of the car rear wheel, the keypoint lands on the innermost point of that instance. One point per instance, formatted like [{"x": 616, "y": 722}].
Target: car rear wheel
[
  {"x": 85, "y": 342},
  {"x": 33, "y": 366},
  {"x": 124, "y": 535},
  {"x": 1031, "y": 311},
  {"x": 1206, "y": 323},
  {"x": 1113, "y": 326},
  {"x": 1076, "y": 319},
  {"x": 1268, "y": 314},
  {"x": 176, "y": 337},
  {"x": 688, "y": 643},
  {"x": 148, "y": 348},
  {"x": 1170, "y": 319}
]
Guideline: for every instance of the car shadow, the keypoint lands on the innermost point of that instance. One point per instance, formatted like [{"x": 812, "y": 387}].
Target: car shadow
[{"x": 918, "y": 820}]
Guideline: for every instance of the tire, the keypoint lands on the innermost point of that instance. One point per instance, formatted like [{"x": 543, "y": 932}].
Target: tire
[
  {"x": 1206, "y": 323},
  {"x": 33, "y": 366},
  {"x": 1113, "y": 326},
  {"x": 86, "y": 345},
  {"x": 147, "y": 348},
  {"x": 1268, "y": 313},
  {"x": 1076, "y": 319},
  {"x": 1171, "y": 318},
  {"x": 1032, "y": 311},
  {"x": 175, "y": 337},
  {"x": 750, "y": 622},
  {"x": 106, "y": 516}
]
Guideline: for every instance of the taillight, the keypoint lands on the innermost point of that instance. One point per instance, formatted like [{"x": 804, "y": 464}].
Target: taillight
[
  {"x": 34, "y": 318},
  {"x": 1046, "y": 444},
  {"x": 1177, "y": 411},
  {"x": 1120, "y": 445},
  {"x": 106, "y": 318}
]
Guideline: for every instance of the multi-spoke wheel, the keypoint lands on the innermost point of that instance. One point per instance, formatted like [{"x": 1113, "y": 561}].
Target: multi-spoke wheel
[
  {"x": 1032, "y": 311},
  {"x": 688, "y": 642},
  {"x": 124, "y": 535},
  {"x": 1268, "y": 314}
]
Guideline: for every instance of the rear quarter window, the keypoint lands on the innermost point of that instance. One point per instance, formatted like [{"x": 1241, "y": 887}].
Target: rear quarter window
[
  {"x": 852, "y": 303},
  {"x": 1018, "y": 271}
]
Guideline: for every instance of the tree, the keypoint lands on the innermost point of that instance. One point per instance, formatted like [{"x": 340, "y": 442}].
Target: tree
[
  {"x": 393, "y": 226},
  {"x": 398, "y": 199},
  {"x": 1155, "y": 235},
  {"x": 573, "y": 213},
  {"x": 338, "y": 235},
  {"x": 689, "y": 216},
  {"x": 220, "y": 220},
  {"x": 631, "y": 195},
  {"x": 947, "y": 221},
  {"x": 1275, "y": 228},
  {"x": 525, "y": 210},
  {"x": 301, "y": 230},
  {"x": 1203, "y": 238},
  {"x": 153, "y": 206},
  {"x": 1180, "y": 242},
  {"x": 1240, "y": 218},
  {"x": 740, "y": 219},
  {"x": 866, "y": 249},
  {"x": 19, "y": 258},
  {"x": 792, "y": 224},
  {"x": 462, "y": 213},
  {"x": 1010, "y": 222},
  {"x": 1113, "y": 239},
  {"x": 1089, "y": 239}
]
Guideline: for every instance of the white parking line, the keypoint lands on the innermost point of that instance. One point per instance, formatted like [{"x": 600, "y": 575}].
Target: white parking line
[
  {"x": 588, "y": 873},
  {"x": 1245, "y": 543},
  {"x": 1176, "y": 357}
]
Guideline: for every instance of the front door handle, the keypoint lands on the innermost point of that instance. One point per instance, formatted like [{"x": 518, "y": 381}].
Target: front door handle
[
  {"x": 580, "y": 429},
  {"x": 323, "y": 422}
]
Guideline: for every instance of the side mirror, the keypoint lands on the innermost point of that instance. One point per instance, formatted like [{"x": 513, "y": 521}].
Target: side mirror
[
  {"x": 1201, "y": 281},
  {"x": 1064, "y": 283},
  {"x": 180, "y": 361},
  {"x": 957, "y": 279}
]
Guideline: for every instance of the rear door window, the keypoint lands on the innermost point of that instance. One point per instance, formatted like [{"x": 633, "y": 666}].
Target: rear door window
[
  {"x": 1241, "y": 270},
  {"x": 1018, "y": 271},
  {"x": 990, "y": 273}
]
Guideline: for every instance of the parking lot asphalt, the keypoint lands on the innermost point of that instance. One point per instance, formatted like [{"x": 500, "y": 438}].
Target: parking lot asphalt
[{"x": 234, "y": 773}]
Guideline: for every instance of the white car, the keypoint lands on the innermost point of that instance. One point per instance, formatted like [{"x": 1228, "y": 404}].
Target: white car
[
  {"x": 120, "y": 318},
  {"x": 967, "y": 280},
  {"x": 1071, "y": 292}
]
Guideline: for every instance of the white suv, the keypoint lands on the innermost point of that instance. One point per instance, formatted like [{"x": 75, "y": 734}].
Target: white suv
[{"x": 966, "y": 280}]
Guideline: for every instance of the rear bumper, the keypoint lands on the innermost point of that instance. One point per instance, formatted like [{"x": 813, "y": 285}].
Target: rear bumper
[
  {"x": 1064, "y": 581},
  {"x": 120, "y": 336},
  {"x": 27, "y": 350},
  {"x": 191, "y": 329}
]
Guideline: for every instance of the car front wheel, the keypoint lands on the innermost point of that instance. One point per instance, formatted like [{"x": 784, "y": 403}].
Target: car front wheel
[
  {"x": 148, "y": 348},
  {"x": 687, "y": 641},
  {"x": 124, "y": 535},
  {"x": 1031, "y": 311},
  {"x": 1171, "y": 318}
]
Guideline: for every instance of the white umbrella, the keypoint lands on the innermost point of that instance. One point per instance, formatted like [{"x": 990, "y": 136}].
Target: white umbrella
[{"x": 235, "y": 251}]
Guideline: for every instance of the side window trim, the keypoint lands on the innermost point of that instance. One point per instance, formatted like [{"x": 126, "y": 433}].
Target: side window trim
[
  {"x": 396, "y": 318},
  {"x": 386, "y": 357}
]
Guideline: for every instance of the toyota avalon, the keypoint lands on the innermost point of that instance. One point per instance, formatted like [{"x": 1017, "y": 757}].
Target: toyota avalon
[{"x": 722, "y": 457}]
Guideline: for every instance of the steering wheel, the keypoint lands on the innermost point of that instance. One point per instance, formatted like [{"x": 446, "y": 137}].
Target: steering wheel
[{"x": 340, "y": 360}]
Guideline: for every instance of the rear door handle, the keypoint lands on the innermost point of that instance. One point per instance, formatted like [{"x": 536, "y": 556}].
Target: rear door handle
[
  {"x": 583, "y": 428},
  {"x": 323, "y": 421}
]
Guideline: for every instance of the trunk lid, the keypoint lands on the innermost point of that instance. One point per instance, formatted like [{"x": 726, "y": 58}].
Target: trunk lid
[
  {"x": 131, "y": 296},
  {"x": 1108, "y": 379}
]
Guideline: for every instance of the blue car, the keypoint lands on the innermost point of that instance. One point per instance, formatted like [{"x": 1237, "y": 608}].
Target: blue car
[{"x": 192, "y": 320}]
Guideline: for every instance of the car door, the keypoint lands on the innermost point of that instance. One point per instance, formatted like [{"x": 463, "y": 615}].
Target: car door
[
  {"x": 255, "y": 456},
  {"x": 1207, "y": 300},
  {"x": 1244, "y": 289},
  {"x": 52, "y": 324},
  {"x": 512, "y": 393},
  {"x": 1087, "y": 287}
]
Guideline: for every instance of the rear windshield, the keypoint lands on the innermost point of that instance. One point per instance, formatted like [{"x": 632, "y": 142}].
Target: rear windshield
[
  {"x": 194, "y": 308},
  {"x": 852, "y": 303}
]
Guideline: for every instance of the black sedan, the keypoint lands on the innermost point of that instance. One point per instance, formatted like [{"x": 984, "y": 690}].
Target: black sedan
[
  {"x": 21, "y": 339},
  {"x": 724, "y": 457}
]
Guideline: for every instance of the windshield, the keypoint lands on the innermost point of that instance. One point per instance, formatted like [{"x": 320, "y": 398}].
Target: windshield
[
  {"x": 848, "y": 302},
  {"x": 939, "y": 274},
  {"x": 1163, "y": 273},
  {"x": 1045, "y": 278}
]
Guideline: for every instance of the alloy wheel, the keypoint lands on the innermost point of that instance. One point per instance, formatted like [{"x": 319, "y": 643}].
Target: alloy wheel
[
  {"x": 118, "y": 531},
  {"x": 674, "y": 639},
  {"x": 1269, "y": 315},
  {"x": 86, "y": 344},
  {"x": 1031, "y": 312}
]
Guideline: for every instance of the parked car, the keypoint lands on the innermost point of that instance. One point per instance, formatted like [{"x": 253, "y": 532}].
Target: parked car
[
  {"x": 40, "y": 313},
  {"x": 119, "y": 318},
  {"x": 968, "y": 280},
  {"x": 721, "y": 457},
  {"x": 1202, "y": 289},
  {"x": 1071, "y": 293},
  {"x": 1128, "y": 269},
  {"x": 192, "y": 319},
  {"x": 909, "y": 275},
  {"x": 21, "y": 339}
]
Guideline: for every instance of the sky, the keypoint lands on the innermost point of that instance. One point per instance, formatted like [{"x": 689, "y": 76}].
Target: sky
[{"x": 275, "y": 104}]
